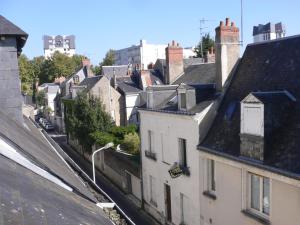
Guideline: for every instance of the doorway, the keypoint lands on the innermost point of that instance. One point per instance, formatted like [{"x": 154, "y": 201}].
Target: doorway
[{"x": 168, "y": 203}]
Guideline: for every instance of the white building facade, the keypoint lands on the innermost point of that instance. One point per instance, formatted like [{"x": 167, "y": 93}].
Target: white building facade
[
  {"x": 269, "y": 31},
  {"x": 169, "y": 140},
  {"x": 145, "y": 54},
  {"x": 62, "y": 43}
]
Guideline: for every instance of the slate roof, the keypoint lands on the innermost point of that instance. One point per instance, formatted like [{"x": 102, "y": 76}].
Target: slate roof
[
  {"x": 90, "y": 82},
  {"x": 264, "y": 67},
  {"x": 7, "y": 28},
  {"x": 27, "y": 198},
  {"x": 119, "y": 71},
  {"x": 127, "y": 85},
  {"x": 205, "y": 95},
  {"x": 204, "y": 73}
]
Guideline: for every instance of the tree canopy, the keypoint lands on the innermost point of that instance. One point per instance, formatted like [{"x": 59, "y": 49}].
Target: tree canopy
[
  {"x": 46, "y": 70},
  {"x": 108, "y": 60},
  {"x": 85, "y": 116},
  {"x": 207, "y": 43}
]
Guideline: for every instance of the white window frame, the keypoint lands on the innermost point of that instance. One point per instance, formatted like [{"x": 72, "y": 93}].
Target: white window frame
[{"x": 259, "y": 212}]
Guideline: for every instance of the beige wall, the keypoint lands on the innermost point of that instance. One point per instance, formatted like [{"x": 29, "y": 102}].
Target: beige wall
[
  {"x": 231, "y": 195},
  {"x": 102, "y": 90}
]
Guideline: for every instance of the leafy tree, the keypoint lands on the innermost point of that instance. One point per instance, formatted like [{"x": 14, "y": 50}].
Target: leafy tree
[
  {"x": 26, "y": 74},
  {"x": 108, "y": 60},
  {"x": 131, "y": 143},
  {"x": 88, "y": 116},
  {"x": 40, "y": 98},
  {"x": 102, "y": 138},
  {"x": 207, "y": 43}
]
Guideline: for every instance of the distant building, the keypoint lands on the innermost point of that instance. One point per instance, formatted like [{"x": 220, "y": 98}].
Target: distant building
[
  {"x": 145, "y": 55},
  {"x": 63, "y": 44},
  {"x": 268, "y": 31}
]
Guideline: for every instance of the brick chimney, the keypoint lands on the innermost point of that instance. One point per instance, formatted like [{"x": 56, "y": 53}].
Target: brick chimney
[
  {"x": 174, "y": 62},
  {"x": 210, "y": 56},
  {"x": 227, "y": 45},
  {"x": 86, "y": 63}
]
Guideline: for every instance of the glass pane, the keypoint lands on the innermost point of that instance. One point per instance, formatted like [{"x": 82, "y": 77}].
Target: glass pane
[
  {"x": 266, "y": 196},
  {"x": 255, "y": 191}
]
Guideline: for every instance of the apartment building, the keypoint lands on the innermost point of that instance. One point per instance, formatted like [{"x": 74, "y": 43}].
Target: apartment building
[
  {"x": 177, "y": 116},
  {"x": 250, "y": 157},
  {"x": 269, "y": 31}
]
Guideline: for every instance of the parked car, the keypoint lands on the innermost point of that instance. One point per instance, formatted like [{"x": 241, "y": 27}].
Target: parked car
[{"x": 49, "y": 127}]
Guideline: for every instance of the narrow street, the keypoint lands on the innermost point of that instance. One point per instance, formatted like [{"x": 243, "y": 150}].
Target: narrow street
[{"x": 136, "y": 214}]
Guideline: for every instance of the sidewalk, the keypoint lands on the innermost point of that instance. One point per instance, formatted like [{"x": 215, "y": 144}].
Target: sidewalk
[{"x": 136, "y": 214}]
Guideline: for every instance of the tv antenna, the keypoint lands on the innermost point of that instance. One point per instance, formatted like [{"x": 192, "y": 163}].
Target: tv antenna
[
  {"x": 202, "y": 28},
  {"x": 242, "y": 35}
]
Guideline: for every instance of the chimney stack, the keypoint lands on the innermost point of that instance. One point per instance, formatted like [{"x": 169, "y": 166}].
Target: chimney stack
[
  {"x": 12, "y": 40},
  {"x": 86, "y": 62},
  {"x": 174, "y": 62},
  {"x": 227, "y": 45}
]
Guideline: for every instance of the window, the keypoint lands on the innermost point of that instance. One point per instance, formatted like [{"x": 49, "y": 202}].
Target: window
[
  {"x": 152, "y": 190},
  {"x": 182, "y": 152},
  {"x": 184, "y": 207},
  {"x": 259, "y": 194},
  {"x": 150, "y": 140},
  {"x": 150, "y": 151},
  {"x": 183, "y": 100},
  {"x": 76, "y": 79},
  {"x": 211, "y": 182}
]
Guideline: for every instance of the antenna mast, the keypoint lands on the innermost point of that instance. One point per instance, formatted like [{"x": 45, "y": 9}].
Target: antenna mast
[{"x": 242, "y": 35}]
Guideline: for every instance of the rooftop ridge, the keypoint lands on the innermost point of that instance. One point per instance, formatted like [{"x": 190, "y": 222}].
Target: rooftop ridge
[{"x": 275, "y": 40}]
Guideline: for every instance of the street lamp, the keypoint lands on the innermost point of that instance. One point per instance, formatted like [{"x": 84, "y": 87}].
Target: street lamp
[{"x": 108, "y": 145}]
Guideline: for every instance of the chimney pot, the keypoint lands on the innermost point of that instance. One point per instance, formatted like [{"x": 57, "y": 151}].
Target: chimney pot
[
  {"x": 227, "y": 22},
  {"x": 221, "y": 23},
  {"x": 173, "y": 43}
]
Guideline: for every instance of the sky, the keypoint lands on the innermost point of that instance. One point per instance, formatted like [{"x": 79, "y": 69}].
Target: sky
[{"x": 114, "y": 24}]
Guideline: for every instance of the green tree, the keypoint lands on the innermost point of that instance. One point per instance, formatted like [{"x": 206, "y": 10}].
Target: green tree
[
  {"x": 40, "y": 98},
  {"x": 108, "y": 60},
  {"x": 131, "y": 143},
  {"x": 207, "y": 43},
  {"x": 88, "y": 116},
  {"x": 26, "y": 74}
]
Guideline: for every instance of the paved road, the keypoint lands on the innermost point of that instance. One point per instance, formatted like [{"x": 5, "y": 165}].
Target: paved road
[{"x": 136, "y": 214}]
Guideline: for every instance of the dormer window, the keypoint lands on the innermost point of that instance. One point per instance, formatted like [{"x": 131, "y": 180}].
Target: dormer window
[
  {"x": 76, "y": 79},
  {"x": 252, "y": 116}
]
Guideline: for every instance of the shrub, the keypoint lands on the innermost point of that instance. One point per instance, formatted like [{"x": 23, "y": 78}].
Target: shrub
[
  {"x": 131, "y": 143},
  {"x": 102, "y": 138}
]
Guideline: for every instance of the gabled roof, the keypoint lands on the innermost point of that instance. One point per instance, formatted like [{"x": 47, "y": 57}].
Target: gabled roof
[
  {"x": 119, "y": 71},
  {"x": 90, "y": 82},
  {"x": 127, "y": 85},
  {"x": 7, "y": 28},
  {"x": 264, "y": 67},
  {"x": 26, "y": 196},
  {"x": 204, "y": 73}
]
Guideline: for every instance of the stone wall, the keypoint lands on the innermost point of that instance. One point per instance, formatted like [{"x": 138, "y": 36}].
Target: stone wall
[{"x": 10, "y": 84}]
